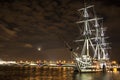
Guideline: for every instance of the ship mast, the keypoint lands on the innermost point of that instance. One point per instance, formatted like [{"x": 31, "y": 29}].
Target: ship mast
[
  {"x": 97, "y": 42},
  {"x": 87, "y": 31}
]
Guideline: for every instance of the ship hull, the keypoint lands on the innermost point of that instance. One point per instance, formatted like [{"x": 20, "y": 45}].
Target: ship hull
[{"x": 85, "y": 64}]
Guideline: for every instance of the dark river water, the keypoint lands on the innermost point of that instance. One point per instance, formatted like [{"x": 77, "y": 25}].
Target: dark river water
[{"x": 52, "y": 73}]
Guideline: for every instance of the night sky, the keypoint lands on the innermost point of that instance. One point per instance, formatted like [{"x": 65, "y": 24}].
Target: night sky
[{"x": 26, "y": 25}]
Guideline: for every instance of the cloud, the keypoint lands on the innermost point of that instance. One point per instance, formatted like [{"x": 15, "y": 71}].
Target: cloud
[
  {"x": 6, "y": 33},
  {"x": 28, "y": 45},
  {"x": 10, "y": 32},
  {"x": 39, "y": 22}
]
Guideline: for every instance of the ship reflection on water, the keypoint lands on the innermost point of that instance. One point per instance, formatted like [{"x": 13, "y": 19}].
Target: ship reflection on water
[
  {"x": 97, "y": 76},
  {"x": 52, "y": 73}
]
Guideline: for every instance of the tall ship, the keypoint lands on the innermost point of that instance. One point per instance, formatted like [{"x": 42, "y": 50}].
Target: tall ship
[{"x": 91, "y": 53}]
